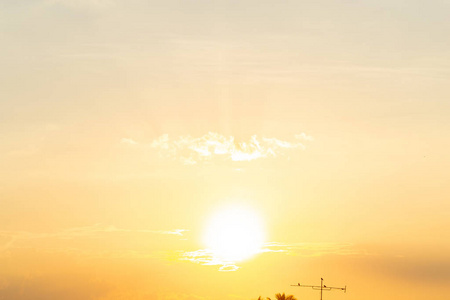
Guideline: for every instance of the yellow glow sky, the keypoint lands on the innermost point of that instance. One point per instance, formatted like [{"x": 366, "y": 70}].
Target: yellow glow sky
[{"x": 126, "y": 125}]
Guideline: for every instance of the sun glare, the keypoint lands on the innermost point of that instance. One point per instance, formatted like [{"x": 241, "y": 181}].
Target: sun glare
[{"x": 234, "y": 234}]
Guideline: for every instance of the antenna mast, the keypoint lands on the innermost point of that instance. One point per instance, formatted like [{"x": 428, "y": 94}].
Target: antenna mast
[{"x": 322, "y": 287}]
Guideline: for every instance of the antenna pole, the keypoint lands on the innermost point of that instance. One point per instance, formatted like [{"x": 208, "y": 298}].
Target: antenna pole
[{"x": 322, "y": 287}]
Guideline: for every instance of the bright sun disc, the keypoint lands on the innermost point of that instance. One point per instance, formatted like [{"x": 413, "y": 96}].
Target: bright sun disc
[{"x": 234, "y": 234}]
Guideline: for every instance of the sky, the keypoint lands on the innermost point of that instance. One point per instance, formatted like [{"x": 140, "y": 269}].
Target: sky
[{"x": 131, "y": 131}]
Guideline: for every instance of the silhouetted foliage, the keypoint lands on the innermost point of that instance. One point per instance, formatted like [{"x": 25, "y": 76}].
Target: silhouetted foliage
[{"x": 280, "y": 297}]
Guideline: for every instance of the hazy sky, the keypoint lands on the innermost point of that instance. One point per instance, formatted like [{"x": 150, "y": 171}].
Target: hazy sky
[{"x": 126, "y": 125}]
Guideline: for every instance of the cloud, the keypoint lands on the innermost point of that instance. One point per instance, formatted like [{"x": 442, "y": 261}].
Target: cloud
[
  {"x": 173, "y": 232},
  {"x": 70, "y": 286},
  {"x": 213, "y": 146},
  {"x": 128, "y": 141},
  {"x": 313, "y": 249},
  {"x": 135, "y": 242},
  {"x": 417, "y": 268},
  {"x": 208, "y": 258},
  {"x": 81, "y": 4},
  {"x": 11, "y": 239}
]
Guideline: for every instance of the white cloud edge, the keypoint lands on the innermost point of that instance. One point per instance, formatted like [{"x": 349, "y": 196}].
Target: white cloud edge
[
  {"x": 206, "y": 257},
  {"x": 214, "y": 146}
]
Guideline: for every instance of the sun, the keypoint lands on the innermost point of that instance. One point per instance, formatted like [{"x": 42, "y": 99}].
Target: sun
[{"x": 234, "y": 234}]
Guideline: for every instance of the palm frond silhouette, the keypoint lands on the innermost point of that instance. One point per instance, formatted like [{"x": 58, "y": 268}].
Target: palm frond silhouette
[
  {"x": 284, "y": 297},
  {"x": 280, "y": 297}
]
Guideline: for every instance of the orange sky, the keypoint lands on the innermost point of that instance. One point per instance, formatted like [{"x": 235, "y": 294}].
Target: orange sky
[{"x": 126, "y": 125}]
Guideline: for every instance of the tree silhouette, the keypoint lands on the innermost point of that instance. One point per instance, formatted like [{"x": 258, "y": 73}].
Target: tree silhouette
[{"x": 281, "y": 297}]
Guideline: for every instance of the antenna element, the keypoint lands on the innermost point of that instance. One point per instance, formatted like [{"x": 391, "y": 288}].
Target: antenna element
[{"x": 322, "y": 287}]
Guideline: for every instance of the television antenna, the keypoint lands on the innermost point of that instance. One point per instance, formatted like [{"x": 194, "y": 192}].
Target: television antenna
[{"x": 322, "y": 287}]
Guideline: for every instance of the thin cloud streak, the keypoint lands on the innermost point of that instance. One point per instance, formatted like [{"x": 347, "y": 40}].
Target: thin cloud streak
[
  {"x": 313, "y": 249},
  {"x": 128, "y": 141},
  {"x": 206, "y": 257},
  {"x": 94, "y": 231}
]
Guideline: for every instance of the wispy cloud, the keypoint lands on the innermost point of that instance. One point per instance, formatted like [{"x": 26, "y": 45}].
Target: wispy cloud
[
  {"x": 313, "y": 249},
  {"x": 128, "y": 141},
  {"x": 9, "y": 239},
  {"x": 81, "y": 4},
  {"x": 208, "y": 258},
  {"x": 173, "y": 232},
  {"x": 214, "y": 146}
]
